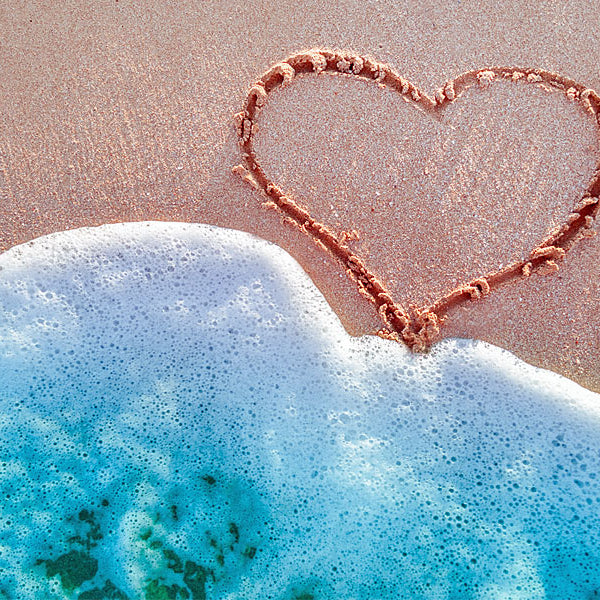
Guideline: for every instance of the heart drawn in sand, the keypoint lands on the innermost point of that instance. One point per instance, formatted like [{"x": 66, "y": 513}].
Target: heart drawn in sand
[{"x": 417, "y": 326}]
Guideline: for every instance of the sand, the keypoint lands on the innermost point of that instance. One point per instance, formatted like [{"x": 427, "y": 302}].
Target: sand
[{"x": 111, "y": 112}]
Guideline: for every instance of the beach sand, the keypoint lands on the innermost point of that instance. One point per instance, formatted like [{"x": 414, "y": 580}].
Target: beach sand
[{"x": 112, "y": 112}]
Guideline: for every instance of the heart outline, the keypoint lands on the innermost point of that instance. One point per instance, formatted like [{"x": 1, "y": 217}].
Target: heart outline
[{"x": 417, "y": 326}]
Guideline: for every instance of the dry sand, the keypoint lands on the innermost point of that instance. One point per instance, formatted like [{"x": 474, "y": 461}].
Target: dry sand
[{"x": 113, "y": 112}]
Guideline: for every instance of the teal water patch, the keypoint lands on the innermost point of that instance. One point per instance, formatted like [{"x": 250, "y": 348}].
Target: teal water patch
[{"x": 182, "y": 416}]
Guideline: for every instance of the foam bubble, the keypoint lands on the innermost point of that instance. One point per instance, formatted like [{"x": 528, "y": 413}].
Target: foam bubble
[{"x": 183, "y": 416}]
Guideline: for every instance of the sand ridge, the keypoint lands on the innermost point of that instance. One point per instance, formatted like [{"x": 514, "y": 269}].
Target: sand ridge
[{"x": 417, "y": 326}]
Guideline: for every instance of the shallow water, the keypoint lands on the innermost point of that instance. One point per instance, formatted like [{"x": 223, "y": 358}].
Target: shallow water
[{"x": 183, "y": 416}]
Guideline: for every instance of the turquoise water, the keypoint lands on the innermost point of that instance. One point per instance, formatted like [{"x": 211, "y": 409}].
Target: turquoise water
[{"x": 182, "y": 416}]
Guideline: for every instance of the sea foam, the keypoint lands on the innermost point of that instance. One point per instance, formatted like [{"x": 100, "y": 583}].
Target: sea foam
[{"x": 183, "y": 416}]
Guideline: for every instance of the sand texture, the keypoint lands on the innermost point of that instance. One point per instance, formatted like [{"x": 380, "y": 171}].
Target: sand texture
[{"x": 459, "y": 196}]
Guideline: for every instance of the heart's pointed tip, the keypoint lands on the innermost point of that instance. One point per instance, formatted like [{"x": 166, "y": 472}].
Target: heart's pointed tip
[{"x": 422, "y": 329}]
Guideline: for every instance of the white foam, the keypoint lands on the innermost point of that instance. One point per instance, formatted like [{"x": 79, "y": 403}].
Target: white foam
[{"x": 167, "y": 365}]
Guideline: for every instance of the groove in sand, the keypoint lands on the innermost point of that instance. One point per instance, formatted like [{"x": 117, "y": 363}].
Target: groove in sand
[{"x": 416, "y": 326}]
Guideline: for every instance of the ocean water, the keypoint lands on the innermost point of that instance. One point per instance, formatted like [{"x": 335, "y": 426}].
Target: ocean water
[{"x": 183, "y": 416}]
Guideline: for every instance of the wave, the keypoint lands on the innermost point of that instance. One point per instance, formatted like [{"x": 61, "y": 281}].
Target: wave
[{"x": 182, "y": 415}]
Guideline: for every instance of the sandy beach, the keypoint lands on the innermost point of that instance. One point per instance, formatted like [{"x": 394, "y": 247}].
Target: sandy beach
[
  {"x": 112, "y": 112},
  {"x": 182, "y": 412}
]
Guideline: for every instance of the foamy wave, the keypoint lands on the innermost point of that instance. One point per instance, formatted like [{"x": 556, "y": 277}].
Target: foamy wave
[{"x": 183, "y": 416}]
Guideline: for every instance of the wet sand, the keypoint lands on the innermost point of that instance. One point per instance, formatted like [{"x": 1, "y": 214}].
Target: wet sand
[{"x": 115, "y": 113}]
